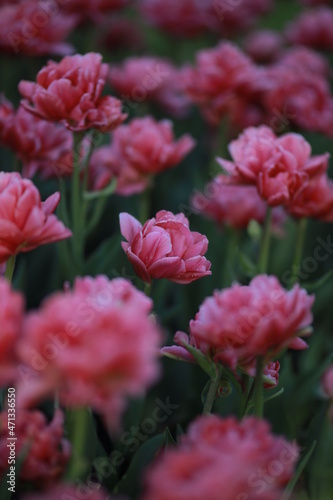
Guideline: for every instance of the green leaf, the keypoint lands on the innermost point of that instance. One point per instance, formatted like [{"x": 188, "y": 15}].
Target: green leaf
[
  {"x": 94, "y": 195},
  {"x": 248, "y": 267},
  {"x": 312, "y": 286},
  {"x": 303, "y": 463},
  {"x": 101, "y": 260},
  {"x": 203, "y": 361}
]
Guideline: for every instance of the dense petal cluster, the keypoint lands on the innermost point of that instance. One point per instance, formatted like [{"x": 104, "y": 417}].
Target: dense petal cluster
[
  {"x": 278, "y": 166},
  {"x": 138, "y": 150},
  {"x": 75, "y": 344},
  {"x": 42, "y": 146},
  {"x": 165, "y": 247},
  {"x": 314, "y": 200},
  {"x": 25, "y": 221},
  {"x": 47, "y": 451},
  {"x": 223, "y": 458},
  {"x": 152, "y": 79},
  {"x": 70, "y": 92},
  {"x": 264, "y": 46},
  {"x": 11, "y": 318},
  {"x": 313, "y": 29},
  {"x": 34, "y": 28}
]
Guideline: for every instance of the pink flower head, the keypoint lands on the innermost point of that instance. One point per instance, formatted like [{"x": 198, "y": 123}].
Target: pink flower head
[
  {"x": 48, "y": 452},
  {"x": 240, "y": 15},
  {"x": 314, "y": 200},
  {"x": 223, "y": 81},
  {"x": 264, "y": 46},
  {"x": 223, "y": 457},
  {"x": 139, "y": 150},
  {"x": 165, "y": 248},
  {"x": 279, "y": 167},
  {"x": 25, "y": 221},
  {"x": 67, "y": 492},
  {"x": 313, "y": 29},
  {"x": 70, "y": 92},
  {"x": 231, "y": 204},
  {"x": 42, "y": 146},
  {"x": 303, "y": 59},
  {"x": 33, "y": 28},
  {"x": 75, "y": 344},
  {"x": 151, "y": 79},
  {"x": 11, "y": 317},
  {"x": 327, "y": 382},
  {"x": 92, "y": 9},
  {"x": 238, "y": 324}
]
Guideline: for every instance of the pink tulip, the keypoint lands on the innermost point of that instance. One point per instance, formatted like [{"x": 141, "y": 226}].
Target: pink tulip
[
  {"x": 313, "y": 29},
  {"x": 70, "y": 92},
  {"x": 165, "y": 248},
  {"x": 314, "y": 200},
  {"x": 25, "y": 221}
]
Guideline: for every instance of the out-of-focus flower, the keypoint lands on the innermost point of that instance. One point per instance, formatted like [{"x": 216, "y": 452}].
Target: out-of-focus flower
[
  {"x": 152, "y": 79},
  {"x": 92, "y": 9},
  {"x": 304, "y": 60},
  {"x": 67, "y": 492},
  {"x": 313, "y": 29},
  {"x": 314, "y": 200},
  {"x": 165, "y": 247},
  {"x": 237, "y": 324},
  {"x": 224, "y": 81},
  {"x": 204, "y": 464},
  {"x": 327, "y": 382},
  {"x": 70, "y": 92},
  {"x": 278, "y": 166},
  {"x": 25, "y": 221},
  {"x": 240, "y": 15},
  {"x": 75, "y": 344},
  {"x": 33, "y": 28},
  {"x": 233, "y": 205},
  {"x": 119, "y": 33},
  {"x": 138, "y": 150},
  {"x": 47, "y": 451},
  {"x": 42, "y": 146},
  {"x": 11, "y": 317},
  {"x": 264, "y": 46}
]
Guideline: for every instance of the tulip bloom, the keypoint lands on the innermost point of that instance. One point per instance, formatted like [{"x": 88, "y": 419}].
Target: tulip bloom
[
  {"x": 165, "y": 248},
  {"x": 25, "y": 221},
  {"x": 70, "y": 92}
]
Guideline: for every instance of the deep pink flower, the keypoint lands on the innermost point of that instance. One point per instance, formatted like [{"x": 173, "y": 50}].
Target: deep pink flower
[
  {"x": 304, "y": 60},
  {"x": 233, "y": 205},
  {"x": 25, "y": 221},
  {"x": 264, "y": 46},
  {"x": 314, "y": 200},
  {"x": 238, "y": 324},
  {"x": 11, "y": 317},
  {"x": 138, "y": 150},
  {"x": 42, "y": 146},
  {"x": 152, "y": 79},
  {"x": 119, "y": 33},
  {"x": 223, "y": 457},
  {"x": 165, "y": 248},
  {"x": 92, "y": 9},
  {"x": 48, "y": 451},
  {"x": 67, "y": 492},
  {"x": 90, "y": 322},
  {"x": 70, "y": 92},
  {"x": 313, "y": 29},
  {"x": 240, "y": 15},
  {"x": 34, "y": 28},
  {"x": 279, "y": 167},
  {"x": 327, "y": 382}
]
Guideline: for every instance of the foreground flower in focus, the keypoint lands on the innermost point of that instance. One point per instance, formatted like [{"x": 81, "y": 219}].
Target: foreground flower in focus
[
  {"x": 42, "y": 146},
  {"x": 25, "y": 221},
  {"x": 48, "y": 452},
  {"x": 75, "y": 344},
  {"x": 70, "y": 92},
  {"x": 165, "y": 248},
  {"x": 223, "y": 458},
  {"x": 11, "y": 317},
  {"x": 314, "y": 200},
  {"x": 138, "y": 150},
  {"x": 278, "y": 166},
  {"x": 237, "y": 324}
]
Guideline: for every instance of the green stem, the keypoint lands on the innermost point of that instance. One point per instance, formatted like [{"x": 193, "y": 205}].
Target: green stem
[
  {"x": 259, "y": 388},
  {"x": 228, "y": 267},
  {"x": 144, "y": 208},
  {"x": 10, "y": 266},
  {"x": 77, "y": 240},
  {"x": 79, "y": 422},
  {"x": 213, "y": 387},
  {"x": 300, "y": 238},
  {"x": 147, "y": 289},
  {"x": 265, "y": 243},
  {"x": 248, "y": 393}
]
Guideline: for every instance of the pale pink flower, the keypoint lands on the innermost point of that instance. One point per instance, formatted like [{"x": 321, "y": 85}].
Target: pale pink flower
[
  {"x": 32, "y": 27},
  {"x": 151, "y": 79},
  {"x": 48, "y": 452},
  {"x": 223, "y": 457},
  {"x": 165, "y": 247},
  {"x": 42, "y": 146},
  {"x": 11, "y": 317},
  {"x": 25, "y": 221},
  {"x": 95, "y": 344},
  {"x": 138, "y": 150},
  {"x": 70, "y": 92},
  {"x": 278, "y": 166}
]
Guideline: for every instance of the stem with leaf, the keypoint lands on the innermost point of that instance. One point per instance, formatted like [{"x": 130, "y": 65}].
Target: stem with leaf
[
  {"x": 211, "y": 395},
  {"x": 265, "y": 243}
]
